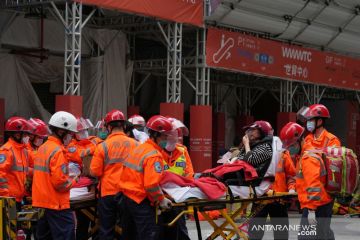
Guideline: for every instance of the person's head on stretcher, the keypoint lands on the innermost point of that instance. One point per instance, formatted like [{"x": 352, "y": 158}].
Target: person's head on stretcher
[{"x": 256, "y": 146}]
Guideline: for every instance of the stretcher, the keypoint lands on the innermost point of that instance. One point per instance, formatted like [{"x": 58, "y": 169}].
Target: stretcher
[{"x": 230, "y": 227}]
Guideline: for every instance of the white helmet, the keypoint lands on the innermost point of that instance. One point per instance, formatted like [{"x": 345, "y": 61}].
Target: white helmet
[
  {"x": 137, "y": 120},
  {"x": 64, "y": 120}
]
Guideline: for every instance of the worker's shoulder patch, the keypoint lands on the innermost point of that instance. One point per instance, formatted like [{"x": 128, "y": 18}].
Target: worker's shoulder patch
[
  {"x": 72, "y": 149},
  {"x": 157, "y": 167},
  {"x": 2, "y": 158}
]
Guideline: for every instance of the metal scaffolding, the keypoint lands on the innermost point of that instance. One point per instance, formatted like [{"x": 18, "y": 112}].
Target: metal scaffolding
[
  {"x": 73, "y": 23},
  {"x": 174, "y": 56},
  {"x": 287, "y": 92},
  {"x": 202, "y": 72}
]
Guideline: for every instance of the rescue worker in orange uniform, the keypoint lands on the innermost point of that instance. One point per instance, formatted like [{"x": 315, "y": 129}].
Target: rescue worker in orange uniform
[
  {"x": 311, "y": 174},
  {"x": 106, "y": 165},
  {"x": 80, "y": 150},
  {"x": 177, "y": 161},
  {"x": 318, "y": 136},
  {"x": 52, "y": 183},
  {"x": 39, "y": 135},
  {"x": 141, "y": 177},
  {"x": 14, "y": 159}
]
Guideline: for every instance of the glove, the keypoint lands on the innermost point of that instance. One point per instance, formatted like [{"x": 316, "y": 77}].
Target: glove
[
  {"x": 165, "y": 204},
  {"x": 292, "y": 191},
  {"x": 312, "y": 217}
]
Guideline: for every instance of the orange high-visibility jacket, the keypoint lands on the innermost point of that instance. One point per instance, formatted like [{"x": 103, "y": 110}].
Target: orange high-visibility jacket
[
  {"x": 51, "y": 182},
  {"x": 285, "y": 174},
  {"x": 31, "y": 151},
  {"x": 14, "y": 163},
  {"x": 142, "y": 173},
  {"x": 310, "y": 181},
  {"x": 108, "y": 160},
  {"x": 77, "y": 150},
  {"x": 326, "y": 139},
  {"x": 179, "y": 161}
]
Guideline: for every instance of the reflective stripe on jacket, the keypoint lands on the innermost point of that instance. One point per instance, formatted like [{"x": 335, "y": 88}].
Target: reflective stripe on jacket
[
  {"x": 108, "y": 160},
  {"x": 142, "y": 173},
  {"x": 14, "y": 167},
  {"x": 311, "y": 180},
  {"x": 179, "y": 162},
  {"x": 51, "y": 182}
]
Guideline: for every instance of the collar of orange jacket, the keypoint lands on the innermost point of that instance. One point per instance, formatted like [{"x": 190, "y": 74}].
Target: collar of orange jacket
[
  {"x": 16, "y": 144},
  {"x": 55, "y": 139},
  {"x": 116, "y": 134}
]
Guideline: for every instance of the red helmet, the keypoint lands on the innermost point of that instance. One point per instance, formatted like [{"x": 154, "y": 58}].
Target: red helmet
[
  {"x": 114, "y": 115},
  {"x": 40, "y": 127},
  {"x": 290, "y": 133},
  {"x": 159, "y": 124},
  {"x": 264, "y": 126},
  {"x": 17, "y": 124},
  {"x": 317, "y": 110}
]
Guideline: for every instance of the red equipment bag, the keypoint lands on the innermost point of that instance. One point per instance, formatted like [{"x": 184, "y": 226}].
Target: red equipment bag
[{"x": 342, "y": 168}]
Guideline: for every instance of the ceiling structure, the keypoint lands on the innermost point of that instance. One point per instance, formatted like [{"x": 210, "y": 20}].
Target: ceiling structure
[{"x": 332, "y": 25}]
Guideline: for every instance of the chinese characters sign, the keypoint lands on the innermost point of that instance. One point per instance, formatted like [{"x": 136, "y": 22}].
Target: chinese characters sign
[{"x": 241, "y": 52}]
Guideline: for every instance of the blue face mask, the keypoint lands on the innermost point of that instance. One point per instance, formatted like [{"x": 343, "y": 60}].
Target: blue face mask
[
  {"x": 163, "y": 144},
  {"x": 103, "y": 135},
  {"x": 294, "y": 150},
  {"x": 310, "y": 126}
]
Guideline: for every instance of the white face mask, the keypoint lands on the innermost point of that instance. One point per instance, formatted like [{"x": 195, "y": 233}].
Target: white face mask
[
  {"x": 38, "y": 142},
  {"x": 25, "y": 140},
  {"x": 67, "y": 139},
  {"x": 310, "y": 126}
]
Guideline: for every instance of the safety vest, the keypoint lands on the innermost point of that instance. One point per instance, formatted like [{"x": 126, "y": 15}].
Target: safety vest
[{"x": 179, "y": 165}]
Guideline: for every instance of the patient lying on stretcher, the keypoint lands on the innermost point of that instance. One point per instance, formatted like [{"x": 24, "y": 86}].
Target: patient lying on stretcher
[{"x": 254, "y": 164}]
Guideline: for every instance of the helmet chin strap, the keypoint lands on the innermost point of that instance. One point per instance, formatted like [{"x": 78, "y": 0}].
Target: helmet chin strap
[
  {"x": 18, "y": 139},
  {"x": 316, "y": 124}
]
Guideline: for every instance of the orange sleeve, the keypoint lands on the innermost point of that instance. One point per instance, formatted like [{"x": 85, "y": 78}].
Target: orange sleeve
[
  {"x": 315, "y": 190},
  {"x": 58, "y": 173},
  {"x": 189, "y": 170},
  {"x": 290, "y": 171},
  {"x": 5, "y": 164},
  {"x": 153, "y": 171},
  {"x": 97, "y": 162}
]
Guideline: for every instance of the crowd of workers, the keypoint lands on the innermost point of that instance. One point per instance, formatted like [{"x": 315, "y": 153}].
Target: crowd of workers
[{"x": 128, "y": 158}]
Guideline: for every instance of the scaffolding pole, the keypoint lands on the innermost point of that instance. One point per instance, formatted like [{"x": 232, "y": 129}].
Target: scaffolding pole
[
  {"x": 202, "y": 72},
  {"x": 174, "y": 59},
  {"x": 287, "y": 92}
]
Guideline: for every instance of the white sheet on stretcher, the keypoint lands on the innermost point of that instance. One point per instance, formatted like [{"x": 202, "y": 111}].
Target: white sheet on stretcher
[
  {"x": 181, "y": 194},
  {"x": 82, "y": 193}
]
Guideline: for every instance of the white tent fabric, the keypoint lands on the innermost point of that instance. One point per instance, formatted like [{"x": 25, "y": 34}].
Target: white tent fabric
[{"x": 104, "y": 79}]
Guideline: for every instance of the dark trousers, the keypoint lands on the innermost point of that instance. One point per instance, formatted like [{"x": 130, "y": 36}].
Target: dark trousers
[
  {"x": 323, "y": 216},
  {"x": 56, "y": 225},
  {"x": 108, "y": 210},
  {"x": 179, "y": 230},
  {"x": 83, "y": 224},
  {"x": 278, "y": 217},
  {"x": 144, "y": 218}
]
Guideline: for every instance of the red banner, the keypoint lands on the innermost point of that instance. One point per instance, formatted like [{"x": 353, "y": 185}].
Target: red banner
[
  {"x": 240, "y": 52},
  {"x": 182, "y": 11}
]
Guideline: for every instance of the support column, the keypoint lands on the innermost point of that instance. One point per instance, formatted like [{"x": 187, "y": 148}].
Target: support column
[
  {"x": 73, "y": 21},
  {"x": 174, "y": 56},
  {"x": 201, "y": 137},
  {"x": 352, "y": 119},
  {"x": 175, "y": 110},
  {"x": 218, "y": 135},
  {"x": 2, "y": 120},
  {"x": 201, "y": 113},
  {"x": 68, "y": 103},
  {"x": 287, "y": 92}
]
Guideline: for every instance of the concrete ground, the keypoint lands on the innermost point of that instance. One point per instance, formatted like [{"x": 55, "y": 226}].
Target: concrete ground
[{"x": 344, "y": 228}]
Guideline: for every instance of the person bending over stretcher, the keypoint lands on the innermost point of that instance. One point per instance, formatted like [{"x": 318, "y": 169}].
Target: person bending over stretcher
[{"x": 256, "y": 146}]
